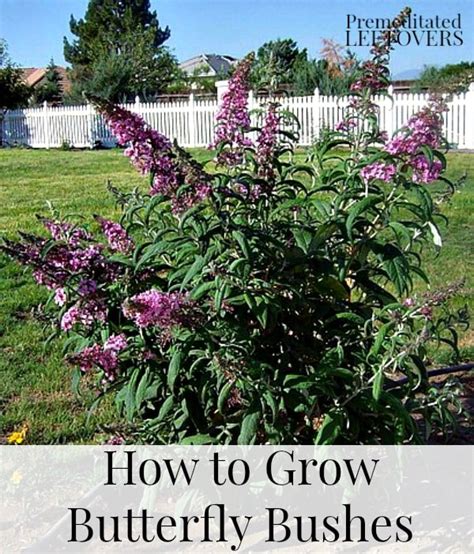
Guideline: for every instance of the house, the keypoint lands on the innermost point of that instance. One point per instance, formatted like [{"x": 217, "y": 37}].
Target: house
[
  {"x": 406, "y": 80},
  {"x": 405, "y": 85},
  {"x": 208, "y": 66},
  {"x": 35, "y": 77}
]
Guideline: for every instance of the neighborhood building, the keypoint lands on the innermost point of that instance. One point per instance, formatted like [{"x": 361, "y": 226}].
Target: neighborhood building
[
  {"x": 35, "y": 77},
  {"x": 208, "y": 65}
]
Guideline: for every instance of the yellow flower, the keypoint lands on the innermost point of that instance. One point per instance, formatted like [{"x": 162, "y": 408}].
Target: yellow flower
[{"x": 17, "y": 437}]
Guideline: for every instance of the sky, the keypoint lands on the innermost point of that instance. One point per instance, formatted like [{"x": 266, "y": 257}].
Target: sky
[{"x": 34, "y": 29}]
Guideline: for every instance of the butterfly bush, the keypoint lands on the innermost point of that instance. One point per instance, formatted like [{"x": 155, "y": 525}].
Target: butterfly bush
[{"x": 262, "y": 297}]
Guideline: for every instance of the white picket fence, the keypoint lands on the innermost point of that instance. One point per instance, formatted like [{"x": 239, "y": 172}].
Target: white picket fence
[{"x": 191, "y": 121}]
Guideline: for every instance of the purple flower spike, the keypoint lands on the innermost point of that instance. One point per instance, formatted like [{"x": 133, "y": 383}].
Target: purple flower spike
[{"x": 233, "y": 119}]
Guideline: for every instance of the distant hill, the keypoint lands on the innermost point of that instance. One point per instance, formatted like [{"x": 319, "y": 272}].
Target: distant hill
[{"x": 407, "y": 75}]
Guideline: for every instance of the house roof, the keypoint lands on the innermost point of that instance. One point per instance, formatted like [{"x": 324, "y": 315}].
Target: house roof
[
  {"x": 34, "y": 75},
  {"x": 217, "y": 63}
]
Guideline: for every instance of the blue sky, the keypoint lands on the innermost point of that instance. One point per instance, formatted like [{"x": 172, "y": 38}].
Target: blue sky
[{"x": 34, "y": 29}]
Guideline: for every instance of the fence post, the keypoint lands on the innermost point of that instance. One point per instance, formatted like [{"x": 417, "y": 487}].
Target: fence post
[
  {"x": 192, "y": 121},
  {"x": 137, "y": 104},
  {"x": 251, "y": 100},
  {"x": 390, "y": 114},
  {"x": 469, "y": 129},
  {"x": 221, "y": 87},
  {"x": 316, "y": 119},
  {"x": 5, "y": 128},
  {"x": 46, "y": 124},
  {"x": 90, "y": 125}
]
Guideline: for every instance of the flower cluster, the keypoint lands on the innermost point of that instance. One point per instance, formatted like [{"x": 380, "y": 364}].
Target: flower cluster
[
  {"x": 345, "y": 125},
  {"x": 72, "y": 262},
  {"x": 424, "y": 305},
  {"x": 61, "y": 230},
  {"x": 60, "y": 296},
  {"x": 116, "y": 236},
  {"x": 151, "y": 152},
  {"x": 54, "y": 267},
  {"x": 105, "y": 357},
  {"x": 165, "y": 180},
  {"x": 85, "y": 312},
  {"x": 156, "y": 308},
  {"x": 374, "y": 78},
  {"x": 424, "y": 171},
  {"x": 145, "y": 145},
  {"x": 423, "y": 129},
  {"x": 233, "y": 119},
  {"x": 195, "y": 180},
  {"x": 378, "y": 170},
  {"x": 148, "y": 150},
  {"x": 442, "y": 295},
  {"x": 267, "y": 142}
]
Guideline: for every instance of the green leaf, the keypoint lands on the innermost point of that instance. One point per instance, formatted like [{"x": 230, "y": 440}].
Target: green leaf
[
  {"x": 200, "y": 290},
  {"x": 323, "y": 207},
  {"x": 351, "y": 317},
  {"x": 321, "y": 235},
  {"x": 272, "y": 403},
  {"x": 130, "y": 406},
  {"x": 150, "y": 252},
  {"x": 437, "y": 240},
  {"x": 222, "y": 291},
  {"x": 330, "y": 429},
  {"x": 398, "y": 270},
  {"x": 303, "y": 238},
  {"x": 363, "y": 205},
  {"x": 174, "y": 367},
  {"x": 196, "y": 267},
  {"x": 243, "y": 243},
  {"x": 428, "y": 152},
  {"x": 223, "y": 395},
  {"x": 379, "y": 339},
  {"x": 331, "y": 286},
  {"x": 297, "y": 381},
  {"x": 419, "y": 369},
  {"x": 166, "y": 407},
  {"x": 377, "y": 386},
  {"x": 249, "y": 428},
  {"x": 198, "y": 439},
  {"x": 142, "y": 389},
  {"x": 401, "y": 232}
]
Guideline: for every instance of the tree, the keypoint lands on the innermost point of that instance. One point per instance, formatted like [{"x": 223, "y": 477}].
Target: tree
[
  {"x": 51, "y": 89},
  {"x": 281, "y": 64},
  {"x": 274, "y": 63},
  {"x": 318, "y": 74},
  {"x": 451, "y": 78},
  {"x": 119, "y": 52},
  {"x": 4, "y": 57},
  {"x": 14, "y": 93}
]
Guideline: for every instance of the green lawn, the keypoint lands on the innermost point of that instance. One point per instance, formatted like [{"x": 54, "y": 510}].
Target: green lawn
[{"x": 35, "y": 385}]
